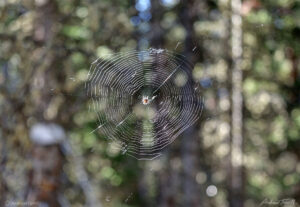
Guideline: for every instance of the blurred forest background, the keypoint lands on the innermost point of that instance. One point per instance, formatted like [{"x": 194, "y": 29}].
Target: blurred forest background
[{"x": 244, "y": 151}]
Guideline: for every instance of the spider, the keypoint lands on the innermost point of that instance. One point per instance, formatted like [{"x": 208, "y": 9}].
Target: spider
[{"x": 146, "y": 100}]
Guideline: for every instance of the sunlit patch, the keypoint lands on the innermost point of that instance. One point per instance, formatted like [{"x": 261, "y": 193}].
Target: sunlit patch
[
  {"x": 180, "y": 79},
  {"x": 211, "y": 191}
]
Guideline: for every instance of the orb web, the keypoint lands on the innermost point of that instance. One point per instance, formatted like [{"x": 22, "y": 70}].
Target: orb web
[{"x": 143, "y": 99}]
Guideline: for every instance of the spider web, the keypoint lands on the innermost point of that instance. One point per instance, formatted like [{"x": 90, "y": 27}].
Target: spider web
[{"x": 143, "y": 100}]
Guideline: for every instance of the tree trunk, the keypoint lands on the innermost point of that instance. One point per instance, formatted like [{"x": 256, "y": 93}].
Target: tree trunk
[
  {"x": 236, "y": 198},
  {"x": 47, "y": 159},
  {"x": 189, "y": 145},
  {"x": 47, "y": 162},
  {"x": 3, "y": 186}
]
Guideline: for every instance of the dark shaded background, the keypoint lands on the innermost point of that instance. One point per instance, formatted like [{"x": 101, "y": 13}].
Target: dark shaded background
[{"x": 244, "y": 151}]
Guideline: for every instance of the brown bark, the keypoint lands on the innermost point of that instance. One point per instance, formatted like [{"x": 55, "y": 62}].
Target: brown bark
[{"x": 44, "y": 178}]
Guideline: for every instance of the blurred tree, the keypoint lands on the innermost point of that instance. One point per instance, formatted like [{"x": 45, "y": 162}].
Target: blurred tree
[
  {"x": 236, "y": 187},
  {"x": 192, "y": 195}
]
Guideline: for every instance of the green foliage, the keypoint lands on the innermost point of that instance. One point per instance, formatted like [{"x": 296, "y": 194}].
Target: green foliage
[{"x": 76, "y": 32}]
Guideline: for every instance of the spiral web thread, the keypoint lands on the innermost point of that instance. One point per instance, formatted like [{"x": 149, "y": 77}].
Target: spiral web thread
[{"x": 143, "y": 100}]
